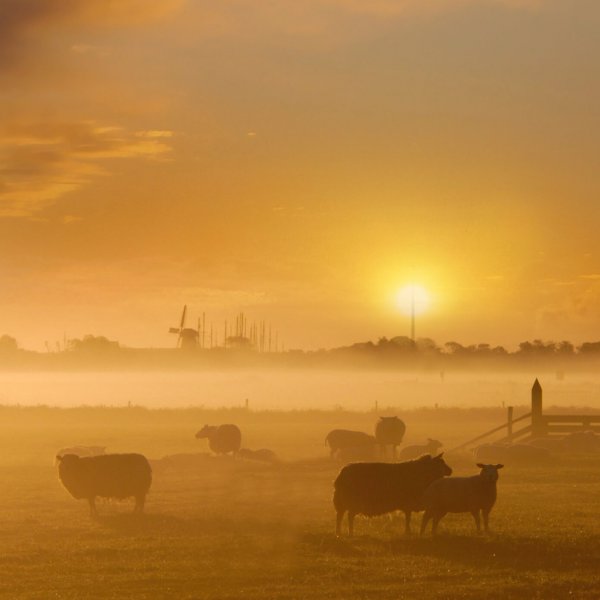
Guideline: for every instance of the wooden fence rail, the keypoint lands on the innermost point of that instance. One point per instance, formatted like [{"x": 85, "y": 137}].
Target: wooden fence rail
[{"x": 541, "y": 425}]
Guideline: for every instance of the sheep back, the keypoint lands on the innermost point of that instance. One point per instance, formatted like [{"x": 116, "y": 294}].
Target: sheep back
[
  {"x": 108, "y": 476},
  {"x": 378, "y": 488},
  {"x": 223, "y": 438},
  {"x": 344, "y": 438},
  {"x": 389, "y": 430}
]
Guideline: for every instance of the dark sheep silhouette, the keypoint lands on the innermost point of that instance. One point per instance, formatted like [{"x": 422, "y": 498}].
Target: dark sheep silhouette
[
  {"x": 261, "y": 455},
  {"x": 222, "y": 439},
  {"x": 343, "y": 439},
  {"x": 462, "y": 494},
  {"x": 108, "y": 476},
  {"x": 389, "y": 431},
  {"x": 377, "y": 488}
]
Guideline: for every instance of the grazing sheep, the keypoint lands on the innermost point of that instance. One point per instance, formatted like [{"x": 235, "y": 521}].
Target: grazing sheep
[
  {"x": 412, "y": 452},
  {"x": 108, "y": 476},
  {"x": 377, "y": 488},
  {"x": 222, "y": 438},
  {"x": 461, "y": 494},
  {"x": 262, "y": 455},
  {"x": 389, "y": 431},
  {"x": 341, "y": 439}
]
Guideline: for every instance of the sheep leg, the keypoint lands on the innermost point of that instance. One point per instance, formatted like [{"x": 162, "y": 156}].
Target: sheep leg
[
  {"x": 407, "y": 517},
  {"x": 338, "y": 522},
  {"x": 436, "y": 519},
  {"x": 425, "y": 521},
  {"x": 475, "y": 514},
  {"x": 351, "y": 516},
  {"x": 139, "y": 503},
  {"x": 486, "y": 516},
  {"x": 92, "y": 503}
]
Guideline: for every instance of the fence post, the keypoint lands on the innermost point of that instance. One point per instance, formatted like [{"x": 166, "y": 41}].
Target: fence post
[
  {"x": 509, "y": 424},
  {"x": 538, "y": 427}
]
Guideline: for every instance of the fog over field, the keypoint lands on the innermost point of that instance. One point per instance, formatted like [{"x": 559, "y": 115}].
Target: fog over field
[{"x": 293, "y": 389}]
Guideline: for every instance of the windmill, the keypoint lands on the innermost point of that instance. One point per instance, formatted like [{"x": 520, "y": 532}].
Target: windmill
[{"x": 186, "y": 336}]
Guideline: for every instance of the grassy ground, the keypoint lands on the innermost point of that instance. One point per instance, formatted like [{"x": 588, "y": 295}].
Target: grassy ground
[{"x": 218, "y": 528}]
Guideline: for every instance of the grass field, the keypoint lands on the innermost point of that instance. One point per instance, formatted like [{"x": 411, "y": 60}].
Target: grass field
[{"x": 223, "y": 528}]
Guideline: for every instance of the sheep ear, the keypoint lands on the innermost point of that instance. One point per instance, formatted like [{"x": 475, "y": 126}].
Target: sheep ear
[
  {"x": 499, "y": 466},
  {"x": 440, "y": 455},
  {"x": 480, "y": 465}
]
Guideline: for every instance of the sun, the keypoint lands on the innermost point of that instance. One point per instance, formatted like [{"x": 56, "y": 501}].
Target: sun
[{"x": 413, "y": 299}]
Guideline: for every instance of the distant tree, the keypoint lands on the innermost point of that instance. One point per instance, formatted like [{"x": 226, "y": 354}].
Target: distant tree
[
  {"x": 565, "y": 348},
  {"x": 8, "y": 344},
  {"x": 93, "y": 344},
  {"x": 589, "y": 348},
  {"x": 427, "y": 345}
]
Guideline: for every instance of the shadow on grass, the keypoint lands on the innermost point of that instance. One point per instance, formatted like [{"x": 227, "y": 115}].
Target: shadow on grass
[
  {"x": 502, "y": 551},
  {"x": 168, "y": 525}
]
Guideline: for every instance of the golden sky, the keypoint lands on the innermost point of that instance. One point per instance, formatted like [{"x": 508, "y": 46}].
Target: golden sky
[{"x": 300, "y": 161}]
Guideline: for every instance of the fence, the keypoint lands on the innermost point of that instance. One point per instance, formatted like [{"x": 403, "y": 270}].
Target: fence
[{"x": 540, "y": 425}]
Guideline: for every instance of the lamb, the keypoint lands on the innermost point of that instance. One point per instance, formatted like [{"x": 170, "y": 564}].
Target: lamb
[
  {"x": 341, "y": 439},
  {"x": 108, "y": 476},
  {"x": 389, "y": 431},
  {"x": 412, "y": 452},
  {"x": 461, "y": 494},
  {"x": 377, "y": 488},
  {"x": 222, "y": 439},
  {"x": 261, "y": 455}
]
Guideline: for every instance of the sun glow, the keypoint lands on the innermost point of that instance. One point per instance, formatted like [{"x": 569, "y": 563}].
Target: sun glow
[{"x": 413, "y": 299}]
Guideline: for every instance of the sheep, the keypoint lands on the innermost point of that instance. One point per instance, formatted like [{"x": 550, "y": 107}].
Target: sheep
[
  {"x": 389, "y": 431},
  {"x": 262, "y": 455},
  {"x": 412, "y": 452},
  {"x": 222, "y": 438},
  {"x": 377, "y": 488},
  {"x": 461, "y": 494},
  {"x": 340, "y": 439},
  {"x": 108, "y": 476}
]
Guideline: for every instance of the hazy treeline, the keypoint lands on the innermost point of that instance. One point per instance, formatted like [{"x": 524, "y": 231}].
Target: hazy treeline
[{"x": 398, "y": 352}]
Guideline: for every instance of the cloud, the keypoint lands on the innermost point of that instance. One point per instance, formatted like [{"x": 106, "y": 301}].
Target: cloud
[
  {"x": 22, "y": 21},
  {"x": 43, "y": 161}
]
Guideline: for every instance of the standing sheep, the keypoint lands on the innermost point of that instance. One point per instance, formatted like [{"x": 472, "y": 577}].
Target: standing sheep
[
  {"x": 377, "y": 488},
  {"x": 461, "y": 494},
  {"x": 222, "y": 438},
  {"x": 107, "y": 475},
  {"x": 343, "y": 439},
  {"x": 389, "y": 431},
  {"x": 412, "y": 452}
]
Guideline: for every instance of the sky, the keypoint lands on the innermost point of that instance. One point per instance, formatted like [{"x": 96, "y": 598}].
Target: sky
[{"x": 300, "y": 162}]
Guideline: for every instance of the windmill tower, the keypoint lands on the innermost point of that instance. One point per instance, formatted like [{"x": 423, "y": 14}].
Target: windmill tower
[{"x": 187, "y": 338}]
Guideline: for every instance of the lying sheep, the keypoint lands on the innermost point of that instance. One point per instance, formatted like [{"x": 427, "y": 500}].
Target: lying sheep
[
  {"x": 341, "y": 439},
  {"x": 377, "y": 488},
  {"x": 108, "y": 476},
  {"x": 222, "y": 439},
  {"x": 412, "y": 452},
  {"x": 461, "y": 494},
  {"x": 262, "y": 455}
]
